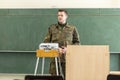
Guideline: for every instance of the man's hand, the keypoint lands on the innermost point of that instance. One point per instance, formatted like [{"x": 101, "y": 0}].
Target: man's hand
[{"x": 62, "y": 50}]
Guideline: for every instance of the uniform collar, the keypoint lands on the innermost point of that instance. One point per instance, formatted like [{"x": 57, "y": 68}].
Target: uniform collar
[
  {"x": 62, "y": 24},
  {"x": 65, "y": 25}
]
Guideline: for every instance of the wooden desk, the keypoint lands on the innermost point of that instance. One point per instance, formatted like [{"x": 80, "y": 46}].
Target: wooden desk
[{"x": 87, "y": 62}]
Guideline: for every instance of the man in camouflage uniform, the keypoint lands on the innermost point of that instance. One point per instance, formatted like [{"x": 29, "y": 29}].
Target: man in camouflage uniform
[{"x": 64, "y": 34}]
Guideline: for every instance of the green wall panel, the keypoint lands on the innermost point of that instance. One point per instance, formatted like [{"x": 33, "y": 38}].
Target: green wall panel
[
  {"x": 21, "y": 62},
  {"x": 115, "y": 62}
]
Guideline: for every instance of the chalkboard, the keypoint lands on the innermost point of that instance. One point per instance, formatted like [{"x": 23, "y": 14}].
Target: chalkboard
[
  {"x": 24, "y": 32},
  {"x": 99, "y": 30},
  {"x": 25, "y": 29}
]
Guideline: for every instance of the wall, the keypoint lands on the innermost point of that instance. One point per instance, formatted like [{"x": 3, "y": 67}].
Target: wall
[{"x": 59, "y": 4}]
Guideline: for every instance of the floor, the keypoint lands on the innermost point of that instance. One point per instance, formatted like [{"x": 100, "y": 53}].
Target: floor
[{"x": 12, "y": 76}]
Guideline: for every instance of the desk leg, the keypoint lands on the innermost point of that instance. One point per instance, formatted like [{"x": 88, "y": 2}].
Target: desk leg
[
  {"x": 36, "y": 67},
  {"x": 43, "y": 63},
  {"x": 56, "y": 63}
]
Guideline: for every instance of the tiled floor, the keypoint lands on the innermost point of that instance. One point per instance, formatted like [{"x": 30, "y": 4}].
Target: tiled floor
[{"x": 12, "y": 76}]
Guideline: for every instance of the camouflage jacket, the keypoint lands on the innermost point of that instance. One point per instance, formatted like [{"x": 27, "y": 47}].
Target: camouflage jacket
[{"x": 67, "y": 35}]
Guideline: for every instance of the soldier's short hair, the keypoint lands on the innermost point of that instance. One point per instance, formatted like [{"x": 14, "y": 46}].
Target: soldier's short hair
[{"x": 63, "y": 10}]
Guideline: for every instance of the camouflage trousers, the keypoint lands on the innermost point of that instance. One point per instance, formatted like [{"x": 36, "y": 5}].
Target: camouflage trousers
[{"x": 52, "y": 69}]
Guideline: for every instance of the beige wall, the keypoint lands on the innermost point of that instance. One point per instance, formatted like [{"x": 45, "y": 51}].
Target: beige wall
[{"x": 59, "y": 3}]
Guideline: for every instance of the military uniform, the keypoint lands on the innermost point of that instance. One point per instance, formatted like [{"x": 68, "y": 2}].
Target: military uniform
[{"x": 64, "y": 34}]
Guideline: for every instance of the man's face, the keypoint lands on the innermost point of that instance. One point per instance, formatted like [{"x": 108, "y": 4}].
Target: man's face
[{"x": 62, "y": 17}]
